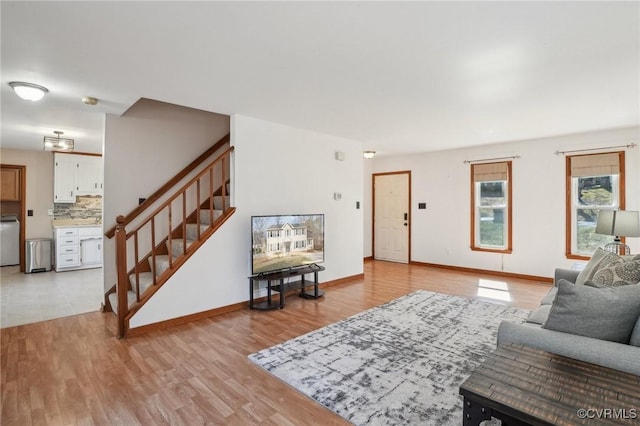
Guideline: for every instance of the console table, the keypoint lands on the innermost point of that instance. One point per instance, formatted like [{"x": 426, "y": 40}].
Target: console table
[
  {"x": 279, "y": 282},
  {"x": 524, "y": 386}
]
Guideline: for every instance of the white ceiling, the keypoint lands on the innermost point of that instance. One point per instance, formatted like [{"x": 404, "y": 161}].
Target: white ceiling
[{"x": 400, "y": 77}]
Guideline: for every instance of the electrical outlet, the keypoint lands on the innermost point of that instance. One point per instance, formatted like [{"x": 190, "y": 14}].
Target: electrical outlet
[{"x": 50, "y": 212}]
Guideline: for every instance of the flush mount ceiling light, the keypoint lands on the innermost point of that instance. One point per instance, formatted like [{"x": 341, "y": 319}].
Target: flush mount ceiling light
[
  {"x": 28, "y": 91},
  {"x": 369, "y": 154},
  {"x": 58, "y": 143}
]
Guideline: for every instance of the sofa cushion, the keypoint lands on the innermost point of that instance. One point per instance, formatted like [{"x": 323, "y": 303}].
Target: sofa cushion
[
  {"x": 617, "y": 273},
  {"x": 540, "y": 315},
  {"x": 600, "y": 259},
  {"x": 550, "y": 296},
  {"x": 635, "y": 334},
  {"x": 602, "y": 313}
]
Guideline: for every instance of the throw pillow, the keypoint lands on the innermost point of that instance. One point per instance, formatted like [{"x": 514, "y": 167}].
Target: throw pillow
[
  {"x": 601, "y": 313},
  {"x": 635, "y": 334},
  {"x": 618, "y": 273},
  {"x": 599, "y": 259}
]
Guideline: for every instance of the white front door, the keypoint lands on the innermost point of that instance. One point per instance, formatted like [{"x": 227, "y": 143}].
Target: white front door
[{"x": 391, "y": 217}]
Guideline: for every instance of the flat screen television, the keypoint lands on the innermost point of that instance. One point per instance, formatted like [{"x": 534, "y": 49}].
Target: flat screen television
[{"x": 281, "y": 242}]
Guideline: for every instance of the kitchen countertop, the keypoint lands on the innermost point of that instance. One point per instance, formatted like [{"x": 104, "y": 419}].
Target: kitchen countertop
[{"x": 75, "y": 223}]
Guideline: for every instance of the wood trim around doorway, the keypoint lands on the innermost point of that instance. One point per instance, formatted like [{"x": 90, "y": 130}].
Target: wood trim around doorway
[
  {"x": 373, "y": 210},
  {"x": 22, "y": 208}
]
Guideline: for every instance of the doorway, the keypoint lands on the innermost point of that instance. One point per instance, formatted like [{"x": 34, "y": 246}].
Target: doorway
[
  {"x": 392, "y": 216},
  {"x": 40, "y": 296},
  {"x": 12, "y": 201}
]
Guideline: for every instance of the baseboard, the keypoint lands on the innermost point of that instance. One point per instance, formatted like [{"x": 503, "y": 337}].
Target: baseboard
[
  {"x": 348, "y": 279},
  {"x": 485, "y": 271},
  {"x": 225, "y": 309},
  {"x": 185, "y": 319},
  {"x": 368, "y": 258}
]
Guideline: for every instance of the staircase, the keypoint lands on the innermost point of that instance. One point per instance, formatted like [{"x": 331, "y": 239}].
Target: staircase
[{"x": 159, "y": 244}]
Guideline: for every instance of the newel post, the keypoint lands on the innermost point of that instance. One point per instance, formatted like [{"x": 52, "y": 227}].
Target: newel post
[{"x": 122, "y": 286}]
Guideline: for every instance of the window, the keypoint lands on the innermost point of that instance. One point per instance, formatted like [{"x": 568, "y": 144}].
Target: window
[
  {"x": 491, "y": 207},
  {"x": 594, "y": 182}
]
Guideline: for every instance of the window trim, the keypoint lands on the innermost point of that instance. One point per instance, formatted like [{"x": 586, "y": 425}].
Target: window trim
[
  {"x": 569, "y": 200},
  {"x": 508, "y": 208}
]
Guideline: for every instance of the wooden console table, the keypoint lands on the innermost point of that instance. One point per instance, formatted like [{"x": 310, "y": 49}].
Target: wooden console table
[
  {"x": 279, "y": 282},
  {"x": 524, "y": 386}
]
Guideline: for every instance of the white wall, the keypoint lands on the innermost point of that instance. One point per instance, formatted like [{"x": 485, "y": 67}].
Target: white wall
[
  {"x": 277, "y": 170},
  {"x": 440, "y": 234},
  {"x": 144, "y": 148},
  {"x": 39, "y": 188}
]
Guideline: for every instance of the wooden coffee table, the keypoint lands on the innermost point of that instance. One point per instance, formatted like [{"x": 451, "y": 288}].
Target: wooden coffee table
[{"x": 524, "y": 386}]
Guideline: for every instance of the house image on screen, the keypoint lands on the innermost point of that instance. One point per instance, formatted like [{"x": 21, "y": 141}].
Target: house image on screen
[{"x": 286, "y": 238}]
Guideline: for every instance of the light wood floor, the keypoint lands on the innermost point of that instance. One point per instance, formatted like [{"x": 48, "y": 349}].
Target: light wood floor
[{"x": 74, "y": 371}]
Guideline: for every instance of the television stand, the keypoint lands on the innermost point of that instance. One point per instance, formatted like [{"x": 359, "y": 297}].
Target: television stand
[{"x": 276, "y": 282}]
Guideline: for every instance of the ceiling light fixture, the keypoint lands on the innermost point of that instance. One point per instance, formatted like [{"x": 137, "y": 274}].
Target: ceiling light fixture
[
  {"x": 28, "y": 91},
  {"x": 369, "y": 154},
  {"x": 58, "y": 143}
]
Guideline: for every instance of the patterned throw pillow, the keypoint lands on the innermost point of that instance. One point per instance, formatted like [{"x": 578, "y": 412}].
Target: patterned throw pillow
[
  {"x": 618, "y": 273},
  {"x": 600, "y": 259}
]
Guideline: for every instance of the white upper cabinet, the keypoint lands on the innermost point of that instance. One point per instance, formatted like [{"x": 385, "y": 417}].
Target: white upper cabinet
[
  {"x": 64, "y": 179},
  {"x": 76, "y": 175},
  {"x": 89, "y": 175}
]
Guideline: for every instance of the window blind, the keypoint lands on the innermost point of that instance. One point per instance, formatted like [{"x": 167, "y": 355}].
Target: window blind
[
  {"x": 489, "y": 172},
  {"x": 595, "y": 165}
]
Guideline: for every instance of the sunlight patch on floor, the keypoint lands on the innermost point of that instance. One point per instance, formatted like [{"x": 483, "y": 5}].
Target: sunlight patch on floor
[{"x": 498, "y": 290}]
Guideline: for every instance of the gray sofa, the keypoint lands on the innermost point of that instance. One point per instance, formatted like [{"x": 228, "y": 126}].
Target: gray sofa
[{"x": 619, "y": 356}]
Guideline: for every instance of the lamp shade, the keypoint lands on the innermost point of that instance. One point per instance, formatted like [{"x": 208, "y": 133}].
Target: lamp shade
[{"x": 620, "y": 223}]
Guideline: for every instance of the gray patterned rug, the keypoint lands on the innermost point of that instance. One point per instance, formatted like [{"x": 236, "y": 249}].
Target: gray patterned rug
[{"x": 398, "y": 363}]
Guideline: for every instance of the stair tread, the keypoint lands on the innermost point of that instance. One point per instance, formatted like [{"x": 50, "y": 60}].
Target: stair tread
[
  {"x": 113, "y": 299},
  {"x": 205, "y": 215},
  {"x": 162, "y": 263},
  {"x": 146, "y": 281}
]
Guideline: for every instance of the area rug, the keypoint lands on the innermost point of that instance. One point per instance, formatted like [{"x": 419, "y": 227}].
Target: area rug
[{"x": 398, "y": 363}]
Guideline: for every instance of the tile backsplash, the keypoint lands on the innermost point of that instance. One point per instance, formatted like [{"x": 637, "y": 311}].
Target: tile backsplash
[{"x": 85, "y": 207}]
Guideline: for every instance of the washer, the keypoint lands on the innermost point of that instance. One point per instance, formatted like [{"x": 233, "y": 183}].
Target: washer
[{"x": 9, "y": 240}]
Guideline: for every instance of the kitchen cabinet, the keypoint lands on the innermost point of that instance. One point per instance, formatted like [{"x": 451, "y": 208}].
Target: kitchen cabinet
[
  {"x": 10, "y": 187},
  {"x": 90, "y": 246},
  {"x": 78, "y": 247},
  {"x": 76, "y": 175},
  {"x": 64, "y": 178},
  {"x": 89, "y": 175},
  {"x": 67, "y": 249}
]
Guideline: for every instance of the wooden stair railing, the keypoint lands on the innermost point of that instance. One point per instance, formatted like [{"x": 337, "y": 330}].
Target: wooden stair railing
[
  {"x": 170, "y": 184},
  {"x": 196, "y": 203}
]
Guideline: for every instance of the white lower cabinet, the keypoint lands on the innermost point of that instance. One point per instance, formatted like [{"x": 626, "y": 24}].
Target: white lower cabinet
[
  {"x": 91, "y": 251},
  {"x": 78, "y": 247}
]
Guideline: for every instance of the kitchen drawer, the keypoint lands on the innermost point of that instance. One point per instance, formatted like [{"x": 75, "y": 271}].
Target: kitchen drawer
[
  {"x": 90, "y": 231},
  {"x": 70, "y": 249},
  {"x": 66, "y": 232},
  {"x": 65, "y": 240},
  {"x": 67, "y": 260}
]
